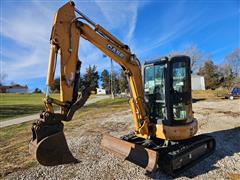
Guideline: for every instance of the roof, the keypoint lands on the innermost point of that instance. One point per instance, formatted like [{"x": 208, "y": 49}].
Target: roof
[
  {"x": 195, "y": 76},
  {"x": 164, "y": 59},
  {"x": 15, "y": 86}
]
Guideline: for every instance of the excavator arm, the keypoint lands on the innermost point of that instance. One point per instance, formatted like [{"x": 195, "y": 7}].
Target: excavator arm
[{"x": 66, "y": 32}]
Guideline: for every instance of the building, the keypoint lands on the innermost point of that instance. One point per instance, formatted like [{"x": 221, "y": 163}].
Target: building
[
  {"x": 198, "y": 82},
  {"x": 101, "y": 91},
  {"x": 16, "y": 88}
]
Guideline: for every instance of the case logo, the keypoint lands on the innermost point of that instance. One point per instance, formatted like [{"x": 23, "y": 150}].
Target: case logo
[{"x": 115, "y": 51}]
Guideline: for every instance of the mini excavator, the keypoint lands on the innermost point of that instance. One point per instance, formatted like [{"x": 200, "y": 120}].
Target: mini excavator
[{"x": 161, "y": 102}]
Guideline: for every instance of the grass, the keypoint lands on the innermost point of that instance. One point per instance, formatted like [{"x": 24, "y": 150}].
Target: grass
[
  {"x": 14, "y": 140},
  {"x": 17, "y": 105},
  {"x": 14, "y": 149},
  {"x": 207, "y": 94},
  {"x": 20, "y": 105}
]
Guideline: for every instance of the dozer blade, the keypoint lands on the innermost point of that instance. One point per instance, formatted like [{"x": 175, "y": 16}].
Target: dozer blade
[
  {"x": 52, "y": 150},
  {"x": 134, "y": 153}
]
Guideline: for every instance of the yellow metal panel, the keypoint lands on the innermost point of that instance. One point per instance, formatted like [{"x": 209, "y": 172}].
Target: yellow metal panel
[
  {"x": 176, "y": 132},
  {"x": 51, "y": 64},
  {"x": 60, "y": 37}
]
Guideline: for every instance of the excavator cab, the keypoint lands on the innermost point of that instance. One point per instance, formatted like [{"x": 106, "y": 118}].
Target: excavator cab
[
  {"x": 168, "y": 99},
  {"x": 167, "y": 90}
]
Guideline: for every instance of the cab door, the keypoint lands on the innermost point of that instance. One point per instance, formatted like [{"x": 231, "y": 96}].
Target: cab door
[{"x": 180, "y": 98}]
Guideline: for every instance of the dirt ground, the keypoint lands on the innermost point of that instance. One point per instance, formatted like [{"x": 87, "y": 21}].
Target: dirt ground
[{"x": 219, "y": 118}]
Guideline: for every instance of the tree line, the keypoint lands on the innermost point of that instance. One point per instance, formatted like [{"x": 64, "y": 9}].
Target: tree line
[
  {"x": 215, "y": 75},
  {"x": 92, "y": 78}
]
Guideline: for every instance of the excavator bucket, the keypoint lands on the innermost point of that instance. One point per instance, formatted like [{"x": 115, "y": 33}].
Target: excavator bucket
[
  {"x": 48, "y": 144},
  {"x": 134, "y": 153},
  {"x": 51, "y": 150}
]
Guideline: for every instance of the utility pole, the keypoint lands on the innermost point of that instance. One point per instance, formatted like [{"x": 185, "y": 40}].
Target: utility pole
[
  {"x": 111, "y": 76},
  {"x": 111, "y": 79}
]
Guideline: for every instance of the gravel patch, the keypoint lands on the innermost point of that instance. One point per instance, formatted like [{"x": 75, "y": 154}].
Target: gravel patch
[{"x": 220, "y": 119}]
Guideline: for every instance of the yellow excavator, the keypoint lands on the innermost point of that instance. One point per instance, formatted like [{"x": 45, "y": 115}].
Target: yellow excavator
[{"x": 161, "y": 102}]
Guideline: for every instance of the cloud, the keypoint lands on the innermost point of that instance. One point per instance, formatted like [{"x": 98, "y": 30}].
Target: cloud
[
  {"x": 132, "y": 25},
  {"x": 179, "y": 29},
  {"x": 24, "y": 65},
  {"x": 181, "y": 19},
  {"x": 26, "y": 26},
  {"x": 26, "y": 34},
  {"x": 221, "y": 49},
  {"x": 120, "y": 16},
  {"x": 173, "y": 23}
]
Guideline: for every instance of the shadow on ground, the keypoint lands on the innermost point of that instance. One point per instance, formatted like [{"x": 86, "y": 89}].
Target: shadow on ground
[
  {"x": 12, "y": 111},
  {"x": 194, "y": 100},
  {"x": 227, "y": 143}
]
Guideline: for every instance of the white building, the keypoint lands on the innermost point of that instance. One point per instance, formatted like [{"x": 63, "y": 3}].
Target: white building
[
  {"x": 101, "y": 91},
  {"x": 16, "y": 88},
  {"x": 198, "y": 82}
]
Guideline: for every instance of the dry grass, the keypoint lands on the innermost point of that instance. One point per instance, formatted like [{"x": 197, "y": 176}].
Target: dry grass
[
  {"x": 14, "y": 140},
  {"x": 14, "y": 149},
  {"x": 208, "y": 94},
  {"x": 233, "y": 176}
]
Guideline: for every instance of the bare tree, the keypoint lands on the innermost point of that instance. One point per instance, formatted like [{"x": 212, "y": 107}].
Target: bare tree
[
  {"x": 225, "y": 70},
  {"x": 225, "y": 75},
  {"x": 3, "y": 76},
  {"x": 197, "y": 56},
  {"x": 233, "y": 59}
]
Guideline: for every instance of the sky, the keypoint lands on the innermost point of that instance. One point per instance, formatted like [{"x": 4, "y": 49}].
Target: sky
[{"x": 150, "y": 28}]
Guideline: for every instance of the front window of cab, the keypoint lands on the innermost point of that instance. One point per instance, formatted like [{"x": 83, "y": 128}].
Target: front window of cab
[
  {"x": 180, "y": 91},
  {"x": 149, "y": 80},
  {"x": 154, "y": 88}
]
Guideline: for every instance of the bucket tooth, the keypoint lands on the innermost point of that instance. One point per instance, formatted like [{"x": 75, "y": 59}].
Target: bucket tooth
[
  {"x": 134, "y": 153},
  {"x": 52, "y": 150}
]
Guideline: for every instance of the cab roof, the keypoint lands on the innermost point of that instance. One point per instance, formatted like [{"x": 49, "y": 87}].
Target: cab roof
[{"x": 164, "y": 59}]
